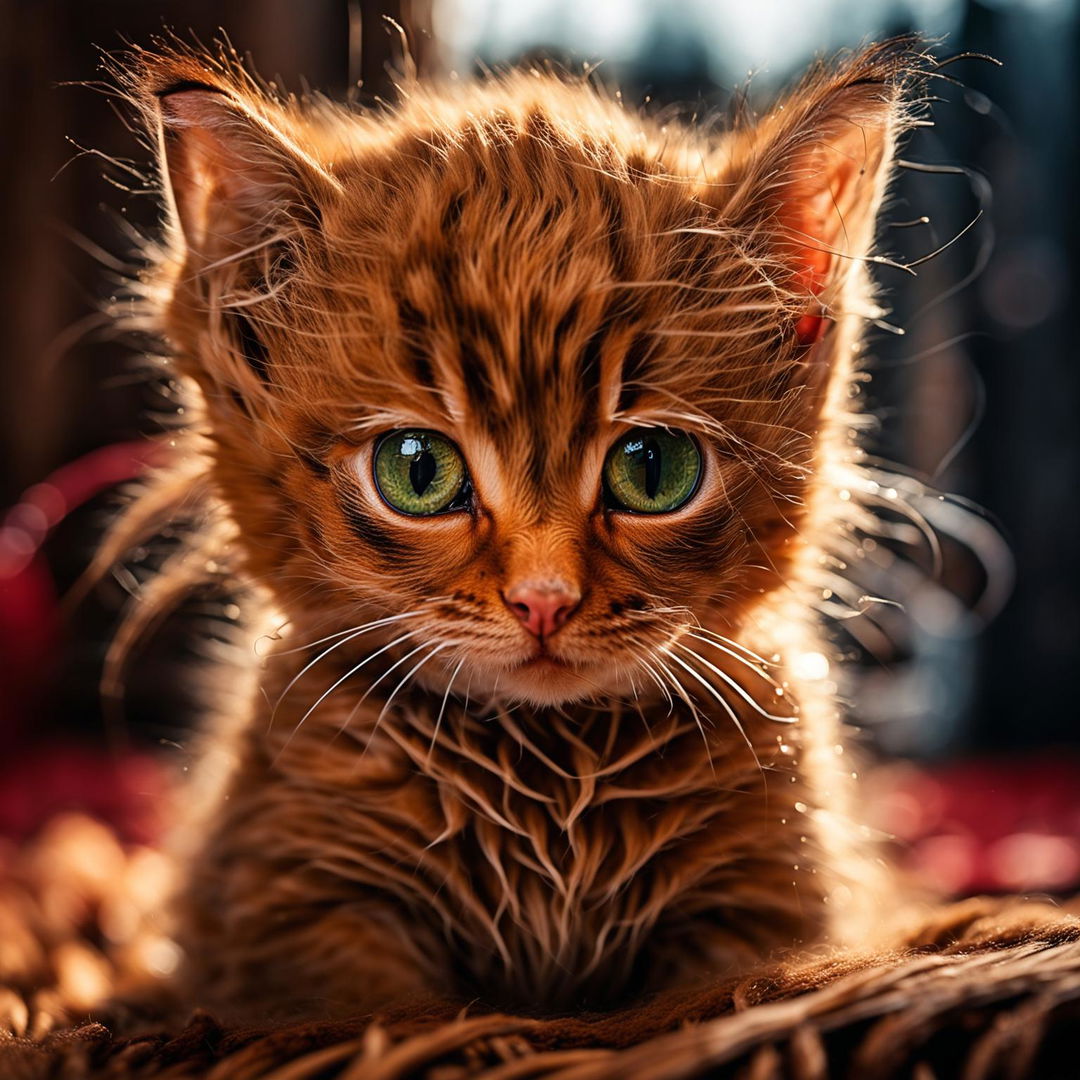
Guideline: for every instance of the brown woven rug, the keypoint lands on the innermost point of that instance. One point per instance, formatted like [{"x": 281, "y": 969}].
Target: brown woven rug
[{"x": 983, "y": 988}]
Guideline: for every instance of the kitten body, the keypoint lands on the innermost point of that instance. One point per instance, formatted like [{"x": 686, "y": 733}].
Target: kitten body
[{"x": 435, "y": 787}]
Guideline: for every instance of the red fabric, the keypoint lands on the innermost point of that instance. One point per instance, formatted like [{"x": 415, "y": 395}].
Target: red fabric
[
  {"x": 998, "y": 825},
  {"x": 30, "y": 629},
  {"x": 126, "y": 790}
]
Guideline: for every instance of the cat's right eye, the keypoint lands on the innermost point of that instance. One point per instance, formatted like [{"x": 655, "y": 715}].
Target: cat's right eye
[{"x": 420, "y": 473}]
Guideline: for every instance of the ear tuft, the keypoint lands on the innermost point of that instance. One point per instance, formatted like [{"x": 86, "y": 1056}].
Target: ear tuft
[{"x": 185, "y": 85}]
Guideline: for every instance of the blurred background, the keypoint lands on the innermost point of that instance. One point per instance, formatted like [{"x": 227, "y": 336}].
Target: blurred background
[{"x": 968, "y": 694}]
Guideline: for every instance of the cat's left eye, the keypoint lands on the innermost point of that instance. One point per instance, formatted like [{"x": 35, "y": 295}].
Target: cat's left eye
[
  {"x": 651, "y": 471},
  {"x": 420, "y": 473}
]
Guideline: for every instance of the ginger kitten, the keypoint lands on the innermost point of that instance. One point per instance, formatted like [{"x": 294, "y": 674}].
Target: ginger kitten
[{"x": 535, "y": 421}]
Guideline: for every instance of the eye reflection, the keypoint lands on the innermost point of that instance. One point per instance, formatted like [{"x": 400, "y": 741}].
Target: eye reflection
[
  {"x": 651, "y": 471},
  {"x": 420, "y": 473}
]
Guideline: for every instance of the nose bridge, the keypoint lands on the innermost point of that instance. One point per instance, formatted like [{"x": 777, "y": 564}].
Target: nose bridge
[
  {"x": 542, "y": 587},
  {"x": 546, "y": 553}
]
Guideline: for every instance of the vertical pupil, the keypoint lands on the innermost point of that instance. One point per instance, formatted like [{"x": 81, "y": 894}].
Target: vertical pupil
[
  {"x": 422, "y": 470},
  {"x": 651, "y": 451}
]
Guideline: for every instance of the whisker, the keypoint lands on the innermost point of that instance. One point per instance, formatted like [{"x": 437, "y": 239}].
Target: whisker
[
  {"x": 656, "y": 679},
  {"x": 682, "y": 692},
  {"x": 724, "y": 704},
  {"x": 736, "y": 645},
  {"x": 367, "y": 693},
  {"x": 442, "y": 708},
  {"x": 764, "y": 675},
  {"x": 348, "y": 675},
  {"x": 729, "y": 681},
  {"x": 346, "y": 636},
  {"x": 393, "y": 693},
  {"x": 341, "y": 633}
]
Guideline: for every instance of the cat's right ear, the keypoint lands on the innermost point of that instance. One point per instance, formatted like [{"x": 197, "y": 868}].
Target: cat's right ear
[
  {"x": 232, "y": 171},
  {"x": 808, "y": 180}
]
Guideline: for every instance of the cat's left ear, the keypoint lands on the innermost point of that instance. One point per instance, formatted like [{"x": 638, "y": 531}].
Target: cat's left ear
[{"x": 807, "y": 182}]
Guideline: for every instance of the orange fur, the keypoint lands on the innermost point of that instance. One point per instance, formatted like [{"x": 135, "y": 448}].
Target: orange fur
[{"x": 438, "y": 804}]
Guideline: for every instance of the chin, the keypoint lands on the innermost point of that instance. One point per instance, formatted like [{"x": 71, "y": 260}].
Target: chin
[{"x": 547, "y": 682}]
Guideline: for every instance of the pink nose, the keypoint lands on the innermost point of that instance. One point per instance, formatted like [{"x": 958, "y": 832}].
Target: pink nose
[{"x": 543, "y": 606}]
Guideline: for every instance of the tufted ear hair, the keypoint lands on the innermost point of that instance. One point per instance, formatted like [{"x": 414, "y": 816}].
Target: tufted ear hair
[
  {"x": 808, "y": 180},
  {"x": 231, "y": 167}
]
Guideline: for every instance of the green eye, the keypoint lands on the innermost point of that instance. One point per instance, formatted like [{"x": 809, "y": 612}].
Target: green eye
[
  {"x": 420, "y": 473},
  {"x": 651, "y": 471}
]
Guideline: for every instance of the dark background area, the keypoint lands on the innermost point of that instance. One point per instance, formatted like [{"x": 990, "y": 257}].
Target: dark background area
[{"x": 980, "y": 394}]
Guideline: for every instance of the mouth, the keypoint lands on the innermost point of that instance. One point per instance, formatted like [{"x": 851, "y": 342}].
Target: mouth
[
  {"x": 543, "y": 656},
  {"x": 544, "y": 679}
]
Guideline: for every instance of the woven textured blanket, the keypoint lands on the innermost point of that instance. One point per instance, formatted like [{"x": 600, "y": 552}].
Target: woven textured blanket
[{"x": 978, "y": 989}]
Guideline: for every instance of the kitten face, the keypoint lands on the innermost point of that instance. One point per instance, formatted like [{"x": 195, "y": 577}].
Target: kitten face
[
  {"x": 534, "y": 373},
  {"x": 491, "y": 308}
]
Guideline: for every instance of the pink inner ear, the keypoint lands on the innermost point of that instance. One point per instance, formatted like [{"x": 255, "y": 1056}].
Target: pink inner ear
[
  {"x": 815, "y": 210},
  {"x": 812, "y": 213},
  {"x": 811, "y": 278},
  {"x": 810, "y": 329}
]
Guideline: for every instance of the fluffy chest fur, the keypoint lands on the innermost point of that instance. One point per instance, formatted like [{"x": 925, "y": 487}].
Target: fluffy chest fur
[{"x": 551, "y": 859}]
